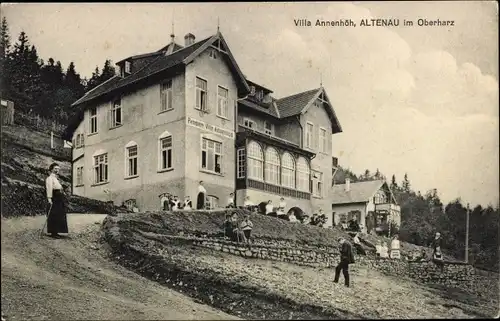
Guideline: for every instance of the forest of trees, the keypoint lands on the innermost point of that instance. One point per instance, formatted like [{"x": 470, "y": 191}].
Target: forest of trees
[
  {"x": 41, "y": 87},
  {"x": 424, "y": 215}
]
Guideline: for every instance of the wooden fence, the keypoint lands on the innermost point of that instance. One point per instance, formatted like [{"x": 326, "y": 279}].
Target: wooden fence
[
  {"x": 7, "y": 112},
  {"x": 39, "y": 124}
]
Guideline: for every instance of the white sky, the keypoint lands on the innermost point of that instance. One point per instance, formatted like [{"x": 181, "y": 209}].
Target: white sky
[{"x": 422, "y": 100}]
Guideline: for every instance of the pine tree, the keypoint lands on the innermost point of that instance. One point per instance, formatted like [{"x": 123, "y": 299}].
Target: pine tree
[
  {"x": 108, "y": 71},
  {"x": 5, "y": 63},
  {"x": 406, "y": 184},
  {"x": 25, "y": 84},
  {"x": 73, "y": 81},
  {"x": 394, "y": 185},
  {"x": 4, "y": 39},
  {"x": 377, "y": 174},
  {"x": 94, "y": 81}
]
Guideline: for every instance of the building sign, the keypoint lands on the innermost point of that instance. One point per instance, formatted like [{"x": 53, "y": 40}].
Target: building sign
[{"x": 209, "y": 127}]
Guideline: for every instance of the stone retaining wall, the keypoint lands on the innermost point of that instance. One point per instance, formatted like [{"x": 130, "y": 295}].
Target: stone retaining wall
[
  {"x": 426, "y": 272},
  {"x": 453, "y": 274}
]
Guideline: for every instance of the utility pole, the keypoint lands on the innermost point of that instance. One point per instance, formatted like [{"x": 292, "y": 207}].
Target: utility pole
[{"x": 467, "y": 235}]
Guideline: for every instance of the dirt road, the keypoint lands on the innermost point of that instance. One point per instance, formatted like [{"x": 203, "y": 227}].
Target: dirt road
[{"x": 68, "y": 279}]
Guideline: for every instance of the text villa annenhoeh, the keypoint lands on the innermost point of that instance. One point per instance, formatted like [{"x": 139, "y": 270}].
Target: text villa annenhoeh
[{"x": 347, "y": 23}]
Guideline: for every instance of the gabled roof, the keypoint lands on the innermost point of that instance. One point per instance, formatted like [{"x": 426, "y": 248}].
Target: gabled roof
[
  {"x": 294, "y": 104},
  {"x": 158, "y": 64},
  {"x": 359, "y": 192},
  {"x": 299, "y": 104}
]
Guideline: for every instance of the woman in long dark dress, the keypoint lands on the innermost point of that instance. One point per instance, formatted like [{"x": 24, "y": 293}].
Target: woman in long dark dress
[
  {"x": 200, "y": 200},
  {"x": 56, "y": 220}
]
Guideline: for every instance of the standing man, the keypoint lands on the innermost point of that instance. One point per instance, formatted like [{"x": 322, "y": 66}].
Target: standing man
[
  {"x": 346, "y": 258},
  {"x": 200, "y": 201}
]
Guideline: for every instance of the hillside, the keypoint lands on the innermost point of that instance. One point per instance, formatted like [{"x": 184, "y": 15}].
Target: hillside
[
  {"x": 26, "y": 156},
  {"x": 162, "y": 246}
]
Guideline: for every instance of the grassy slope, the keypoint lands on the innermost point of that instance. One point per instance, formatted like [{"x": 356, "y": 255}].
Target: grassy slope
[{"x": 25, "y": 159}]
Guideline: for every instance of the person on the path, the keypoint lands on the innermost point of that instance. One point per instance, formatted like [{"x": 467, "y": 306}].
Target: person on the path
[
  {"x": 57, "y": 221},
  {"x": 281, "y": 209},
  {"x": 248, "y": 204},
  {"x": 395, "y": 245},
  {"x": 175, "y": 203},
  {"x": 357, "y": 245},
  {"x": 188, "y": 205},
  {"x": 291, "y": 217},
  {"x": 346, "y": 258},
  {"x": 270, "y": 208},
  {"x": 202, "y": 192},
  {"x": 437, "y": 255},
  {"x": 247, "y": 226},
  {"x": 230, "y": 201}
]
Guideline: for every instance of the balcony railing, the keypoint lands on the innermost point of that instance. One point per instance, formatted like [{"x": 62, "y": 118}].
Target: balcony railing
[
  {"x": 276, "y": 189},
  {"x": 242, "y": 127},
  {"x": 387, "y": 207}
]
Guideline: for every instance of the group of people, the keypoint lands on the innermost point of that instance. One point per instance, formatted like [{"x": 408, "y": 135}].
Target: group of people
[
  {"x": 383, "y": 251},
  {"x": 238, "y": 231},
  {"x": 173, "y": 203},
  {"x": 279, "y": 212}
]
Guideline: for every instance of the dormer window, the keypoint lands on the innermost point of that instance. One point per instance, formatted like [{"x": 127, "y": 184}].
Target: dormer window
[
  {"x": 213, "y": 54},
  {"x": 128, "y": 67},
  {"x": 259, "y": 95}
]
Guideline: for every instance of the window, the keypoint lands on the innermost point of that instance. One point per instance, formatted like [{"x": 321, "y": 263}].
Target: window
[
  {"x": 322, "y": 140},
  {"x": 116, "y": 113},
  {"x": 166, "y": 95},
  {"x": 79, "y": 141},
  {"x": 241, "y": 163},
  {"x": 101, "y": 168},
  {"x": 128, "y": 67},
  {"x": 222, "y": 97},
  {"x": 380, "y": 198},
  {"x": 268, "y": 128},
  {"x": 272, "y": 166},
  {"x": 255, "y": 161},
  {"x": 79, "y": 176},
  {"x": 211, "y": 155},
  {"x": 303, "y": 174},
  {"x": 287, "y": 171},
  {"x": 212, "y": 202},
  {"x": 201, "y": 94},
  {"x": 309, "y": 135},
  {"x": 93, "y": 120},
  {"x": 259, "y": 95},
  {"x": 213, "y": 54},
  {"x": 165, "y": 152},
  {"x": 317, "y": 184},
  {"x": 132, "y": 161},
  {"x": 248, "y": 123}
]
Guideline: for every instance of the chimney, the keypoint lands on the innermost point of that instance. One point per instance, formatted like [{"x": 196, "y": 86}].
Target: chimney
[
  {"x": 188, "y": 39},
  {"x": 347, "y": 184}
]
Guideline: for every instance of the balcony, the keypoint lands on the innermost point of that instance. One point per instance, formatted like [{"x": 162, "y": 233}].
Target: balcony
[
  {"x": 275, "y": 189},
  {"x": 387, "y": 208},
  {"x": 245, "y": 132}
]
